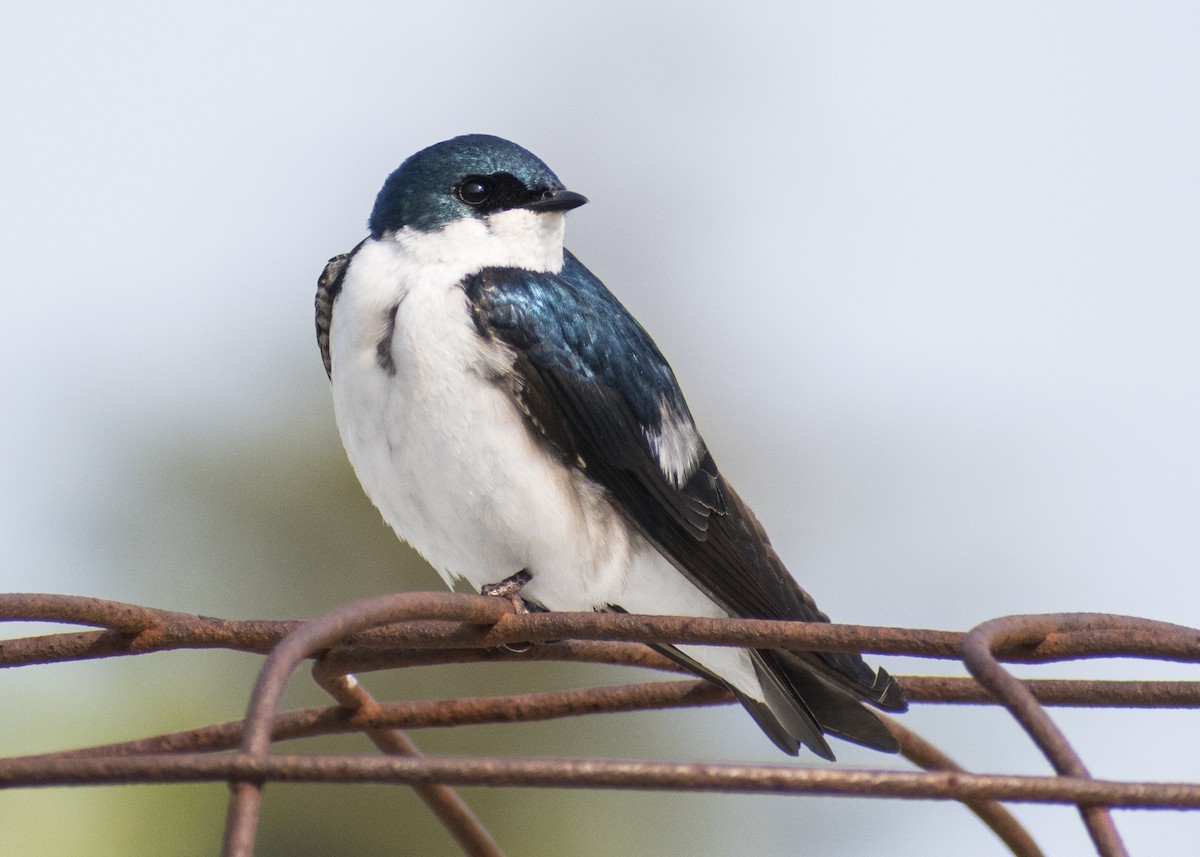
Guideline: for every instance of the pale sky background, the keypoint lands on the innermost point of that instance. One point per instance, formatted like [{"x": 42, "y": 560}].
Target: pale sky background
[{"x": 929, "y": 274}]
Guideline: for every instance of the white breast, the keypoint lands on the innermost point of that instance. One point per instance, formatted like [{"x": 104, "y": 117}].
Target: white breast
[
  {"x": 446, "y": 457},
  {"x": 440, "y": 448}
]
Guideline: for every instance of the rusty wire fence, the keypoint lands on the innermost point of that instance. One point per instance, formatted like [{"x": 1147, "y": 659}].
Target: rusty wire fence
[{"x": 415, "y": 629}]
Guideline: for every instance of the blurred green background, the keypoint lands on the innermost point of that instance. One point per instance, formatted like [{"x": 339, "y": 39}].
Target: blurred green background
[{"x": 928, "y": 273}]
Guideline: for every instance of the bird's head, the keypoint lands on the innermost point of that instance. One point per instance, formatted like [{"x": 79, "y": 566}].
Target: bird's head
[{"x": 475, "y": 190}]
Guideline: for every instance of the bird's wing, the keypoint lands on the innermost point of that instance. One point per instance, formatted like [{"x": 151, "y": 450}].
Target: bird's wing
[
  {"x": 595, "y": 387},
  {"x": 328, "y": 286}
]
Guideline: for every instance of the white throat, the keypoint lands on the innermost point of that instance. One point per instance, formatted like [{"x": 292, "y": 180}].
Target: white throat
[{"x": 507, "y": 239}]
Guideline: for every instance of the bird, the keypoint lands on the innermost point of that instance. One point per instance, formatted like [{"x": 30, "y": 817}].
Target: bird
[{"x": 514, "y": 423}]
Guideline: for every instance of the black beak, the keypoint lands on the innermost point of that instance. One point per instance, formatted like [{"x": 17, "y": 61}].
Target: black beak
[{"x": 556, "y": 200}]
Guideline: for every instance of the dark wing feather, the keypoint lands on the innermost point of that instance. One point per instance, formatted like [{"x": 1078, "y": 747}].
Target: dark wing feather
[
  {"x": 329, "y": 285},
  {"x": 596, "y": 388}
]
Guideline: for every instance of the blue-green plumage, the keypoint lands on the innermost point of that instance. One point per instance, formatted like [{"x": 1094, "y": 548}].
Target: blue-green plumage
[
  {"x": 569, "y": 322},
  {"x": 423, "y": 192}
]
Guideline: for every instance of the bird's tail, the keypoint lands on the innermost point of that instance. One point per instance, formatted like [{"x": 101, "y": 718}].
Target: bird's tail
[
  {"x": 832, "y": 700},
  {"x": 802, "y": 702}
]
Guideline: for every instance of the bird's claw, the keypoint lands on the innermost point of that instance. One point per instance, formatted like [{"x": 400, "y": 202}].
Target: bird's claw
[{"x": 510, "y": 588}]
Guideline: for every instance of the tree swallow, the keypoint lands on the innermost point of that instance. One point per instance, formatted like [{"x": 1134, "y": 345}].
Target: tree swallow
[{"x": 514, "y": 423}]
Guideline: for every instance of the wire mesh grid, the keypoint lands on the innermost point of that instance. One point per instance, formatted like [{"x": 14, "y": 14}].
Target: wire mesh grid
[{"x": 416, "y": 629}]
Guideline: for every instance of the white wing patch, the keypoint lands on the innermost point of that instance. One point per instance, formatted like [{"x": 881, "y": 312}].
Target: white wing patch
[{"x": 677, "y": 445}]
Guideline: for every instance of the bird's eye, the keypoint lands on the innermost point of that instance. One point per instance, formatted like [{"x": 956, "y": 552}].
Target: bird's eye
[{"x": 474, "y": 191}]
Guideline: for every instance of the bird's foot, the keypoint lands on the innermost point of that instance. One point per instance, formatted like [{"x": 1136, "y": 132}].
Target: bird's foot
[{"x": 510, "y": 588}]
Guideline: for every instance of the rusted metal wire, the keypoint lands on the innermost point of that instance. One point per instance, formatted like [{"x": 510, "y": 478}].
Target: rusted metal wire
[
  {"x": 597, "y": 773},
  {"x": 479, "y": 710},
  {"x": 979, "y": 656},
  {"x": 308, "y": 639},
  {"x": 451, "y": 810},
  {"x": 991, "y": 812},
  {"x": 138, "y": 630},
  {"x": 421, "y": 628}
]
